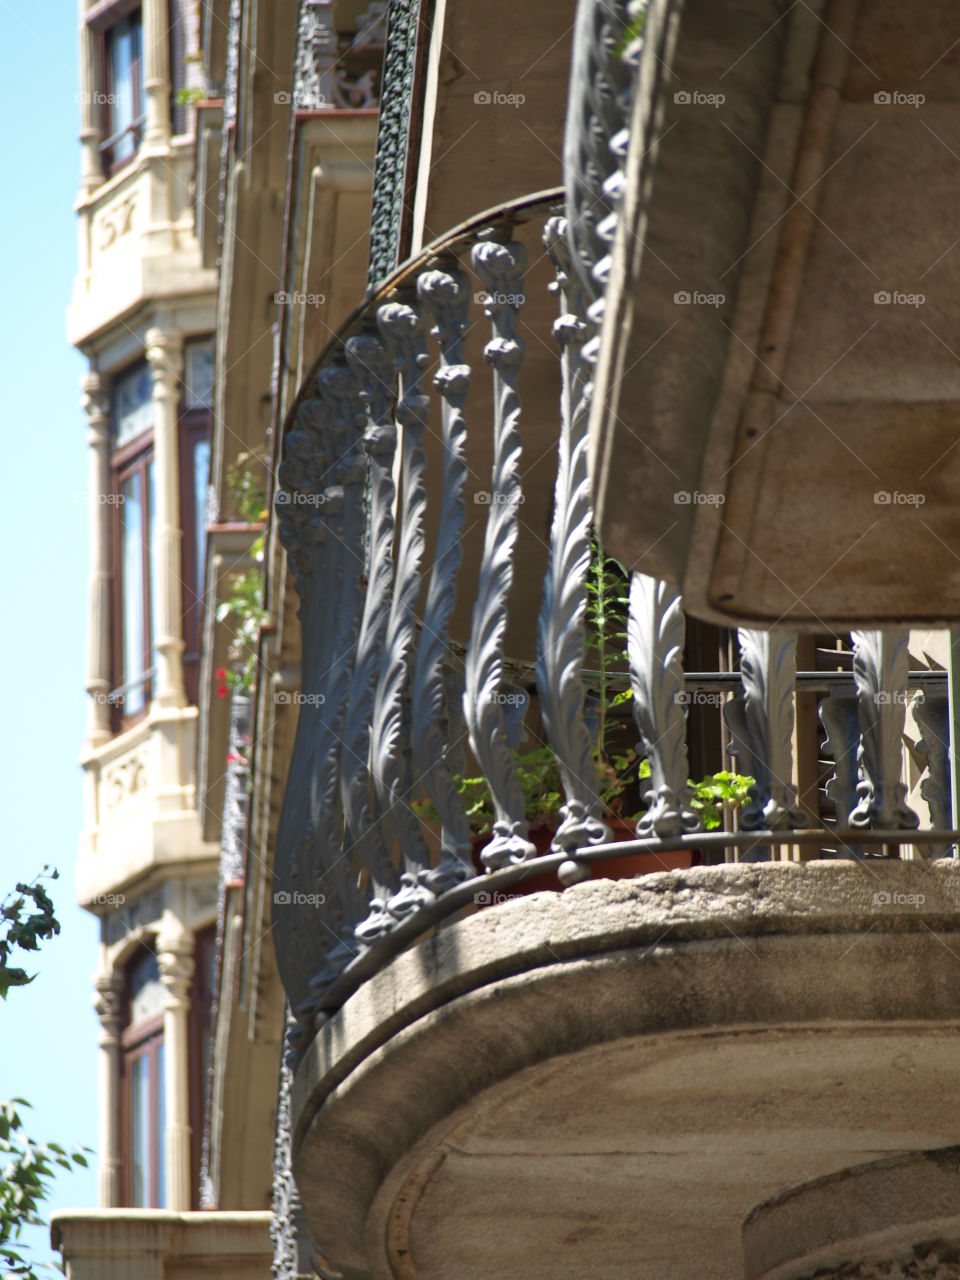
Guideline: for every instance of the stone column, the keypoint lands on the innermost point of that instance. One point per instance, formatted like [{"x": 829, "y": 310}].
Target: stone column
[
  {"x": 96, "y": 404},
  {"x": 165, "y": 356},
  {"x": 156, "y": 81},
  {"x": 91, "y": 168},
  {"x": 175, "y": 954},
  {"x": 109, "y": 1006}
]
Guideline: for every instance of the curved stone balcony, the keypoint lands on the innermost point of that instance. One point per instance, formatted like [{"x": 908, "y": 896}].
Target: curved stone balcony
[{"x": 628, "y": 1070}]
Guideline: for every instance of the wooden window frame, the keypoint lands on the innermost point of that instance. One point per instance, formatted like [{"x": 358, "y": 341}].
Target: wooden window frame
[
  {"x": 135, "y": 456},
  {"x": 142, "y": 1040},
  {"x": 104, "y": 19}
]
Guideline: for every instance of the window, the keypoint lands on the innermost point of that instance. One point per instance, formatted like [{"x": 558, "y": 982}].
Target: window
[
  {"x": 123, "y": 100},
  {"x": 194, "y": 477},
  {"x": 135, "y": 562},
  {"x": 134, "y": 540},
  {"x": 142, "y": 1092}
]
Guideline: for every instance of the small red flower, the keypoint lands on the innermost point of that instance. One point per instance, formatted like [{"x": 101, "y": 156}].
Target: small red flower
[
  {"x": 221, "y": 690},
  {"x": 220, "y": 674}
]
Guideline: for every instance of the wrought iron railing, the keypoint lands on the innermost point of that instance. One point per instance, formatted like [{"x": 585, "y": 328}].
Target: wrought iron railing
[{"x": 391, "y": 697}]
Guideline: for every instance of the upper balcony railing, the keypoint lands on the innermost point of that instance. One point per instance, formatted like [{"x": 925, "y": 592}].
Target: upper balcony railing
[{"x": 433, "y": 625}]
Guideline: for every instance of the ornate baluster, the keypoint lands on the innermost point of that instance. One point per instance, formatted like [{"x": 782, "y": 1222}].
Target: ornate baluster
[
  {"x": 403, "y": 326},
  {"x": 317, "y": 56},
  {"x": 317, "y": 898},
  {"x": 362, "y": 834},
  {"x": 838, "y": 715},
  {"x": 880, "y": 669},
  {"x": 763, "y": 724},
  {"x": 560, "y": 633},
  {"x": 932, "y": 714},
  {"x": 500, "y": 264},
  {"x": 446, "y": 292},
  {"x": 655, "y": 638}
]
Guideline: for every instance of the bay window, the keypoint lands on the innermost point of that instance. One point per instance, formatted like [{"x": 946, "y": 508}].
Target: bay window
[{"x": 142, "y": 1086}]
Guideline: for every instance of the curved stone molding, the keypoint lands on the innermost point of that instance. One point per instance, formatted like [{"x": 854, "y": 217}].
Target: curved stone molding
[
  {"x": 890, "y": 1219},
  {"x": 405, "y": 332},
  {"x": 500, "y": 264},
  {"x": 880, "y": 668},
  {"x": 768, "y": 669},
  {"x": 445, "y": 290},
  {"x": 561, "y": 641},
  {"x": 655, "y": 637}
]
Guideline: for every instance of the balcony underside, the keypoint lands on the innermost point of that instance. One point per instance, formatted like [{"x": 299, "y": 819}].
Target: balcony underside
[
  {"x": 781, "y": 351},
  {"x": 626, "y": 1070}
]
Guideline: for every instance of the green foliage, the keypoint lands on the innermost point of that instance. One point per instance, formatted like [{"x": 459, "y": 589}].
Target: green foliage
[
  {"x": 634, "y": 31},
  {"x": 27, "y": 1168},
  {"x": 713, "y": 791},
  {"x": 25, "y": 931},
  {"x": 187, "y": 97},
  {"x": 246, "y": 497}
]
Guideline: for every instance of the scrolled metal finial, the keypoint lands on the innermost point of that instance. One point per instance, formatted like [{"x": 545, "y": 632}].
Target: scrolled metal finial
[
  {"x": 768, "y": 670},
  {"x": 932, "y": 714},
  {"x": 561, "y": 640},
  {"x": 655, "y": 639},
  {"x": 880, "y": 669},
  {"x": 500, "y": 265},
  {"x": 838, "y": 715}
]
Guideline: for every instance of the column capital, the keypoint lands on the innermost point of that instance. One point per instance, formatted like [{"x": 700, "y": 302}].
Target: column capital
[
  {"x": 95, "y": 399},
  {"x": 175, "y": 957},
  {"x": 108, "y": 1002},
  {"x": 164, "y": 349}
]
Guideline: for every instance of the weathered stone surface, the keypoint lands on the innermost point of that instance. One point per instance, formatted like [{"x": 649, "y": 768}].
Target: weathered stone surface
[{"x": 573, "y": 1071}]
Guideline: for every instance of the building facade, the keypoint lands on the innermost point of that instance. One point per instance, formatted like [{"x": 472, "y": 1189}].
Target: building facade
[{"x": 442, "y": 935}]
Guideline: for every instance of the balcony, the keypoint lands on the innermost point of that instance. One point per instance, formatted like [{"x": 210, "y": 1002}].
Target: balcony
[{"x": 499, "y": 1041}]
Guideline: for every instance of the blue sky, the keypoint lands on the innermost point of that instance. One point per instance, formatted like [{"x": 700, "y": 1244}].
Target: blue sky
[{"x": 48, "y": 1032}]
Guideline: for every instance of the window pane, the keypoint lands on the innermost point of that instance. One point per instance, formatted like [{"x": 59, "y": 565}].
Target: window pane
[
  {"x": 201, "y": 472},
  {"x": 154, "y": 559},
  {"x": 140, "y": 1130},
  {"x": 198, "y": 375},
  {"x": 146, "y": 989},
  {"x": 132, "y": 582},
  {"x": 132, "y": 405},
  {"x": 159, "y": 1136},
  {"x": 122, "y": 54}
]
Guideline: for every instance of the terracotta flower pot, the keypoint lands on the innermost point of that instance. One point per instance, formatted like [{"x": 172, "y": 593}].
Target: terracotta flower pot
[{"x": 630, "y": 865}]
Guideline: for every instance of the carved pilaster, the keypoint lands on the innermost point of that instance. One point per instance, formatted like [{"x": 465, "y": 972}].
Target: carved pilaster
[
  {"x": 96, "y": 404},
  {"x": 175, "y": 956},
  {"x": 165, "y": 357},
  {"x": 108, "y": 1002},
  {"x": 880, "y": 667},
  {"x": 655, "y": 637},
  {"x": 91, "y": 169},
  {"x": 500, "y": 266}
]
